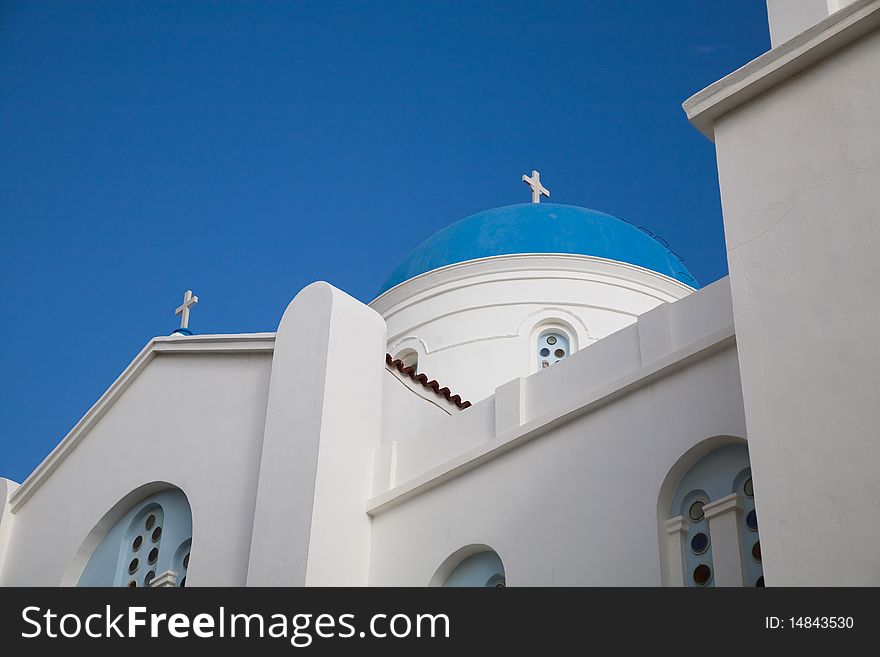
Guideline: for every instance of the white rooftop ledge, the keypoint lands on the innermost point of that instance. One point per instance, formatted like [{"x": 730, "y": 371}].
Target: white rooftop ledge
[{"x": 785, "y": 61}]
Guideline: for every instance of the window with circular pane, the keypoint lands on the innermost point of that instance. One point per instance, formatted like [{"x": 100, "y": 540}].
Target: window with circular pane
[
  {"x": 553, "y": 346},
  {"x": 141, "y": 550},
  {"x": 702, "y": 575},
  {"x": 700, "y": 543},
  {"x": 137, "y": 551},
  {"x": 749, "y": 541},
  {"x": 712, "y": 494},
  {"x": 180, "y": 563},
  {"x": 752, "y": 521}
]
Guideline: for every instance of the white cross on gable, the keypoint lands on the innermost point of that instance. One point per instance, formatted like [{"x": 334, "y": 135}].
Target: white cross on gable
[
  {"x": 183, "y": 309},
  {"x": 537, "y": 188}
]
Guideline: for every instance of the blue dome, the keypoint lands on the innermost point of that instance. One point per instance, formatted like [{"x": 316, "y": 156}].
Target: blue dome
[{"x": 539, "y": 228}]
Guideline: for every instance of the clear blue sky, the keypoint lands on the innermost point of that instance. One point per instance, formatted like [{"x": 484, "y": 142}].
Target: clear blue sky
[{"x": 245, "y": 149}]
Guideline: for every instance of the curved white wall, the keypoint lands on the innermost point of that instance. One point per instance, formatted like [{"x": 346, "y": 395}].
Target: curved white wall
[{"x": 475, "y": 324}]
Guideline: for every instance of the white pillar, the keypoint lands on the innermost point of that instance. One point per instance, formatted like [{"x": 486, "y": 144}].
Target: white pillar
[
  {"x": 676, "y": 529},
  {"x": 323, "y": 424},
  {"x": 725, "y": 520}
]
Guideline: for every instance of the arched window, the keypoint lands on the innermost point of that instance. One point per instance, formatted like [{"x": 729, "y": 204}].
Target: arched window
[
  {"x": 181, "y": 562},
  {"x": 697, "y": 544},
  {"x": 476, "y": 566},
  {"x": 483, "y": 569},
  {"x": 409, "y": 358},
  {"x": 715, "y": 498},
  {"x": 553, "y": 345},
  {"x": 151, "y": 541},
  {"x": 750, "y": 542}
]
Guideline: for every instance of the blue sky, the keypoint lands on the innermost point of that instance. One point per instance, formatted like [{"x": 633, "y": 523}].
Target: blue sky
[{"x": 245, "y": 149}]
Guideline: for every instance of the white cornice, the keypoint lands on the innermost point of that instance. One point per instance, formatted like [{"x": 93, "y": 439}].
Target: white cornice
[
  {"x": 783, "y": 62},
  {"x": 728, "y": 503},
  {"x": 529, "y": 265},
  {"x": 200, "y": 344}
]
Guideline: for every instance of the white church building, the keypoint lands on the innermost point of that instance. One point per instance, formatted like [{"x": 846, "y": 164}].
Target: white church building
[{"x": 540, "y": 394}]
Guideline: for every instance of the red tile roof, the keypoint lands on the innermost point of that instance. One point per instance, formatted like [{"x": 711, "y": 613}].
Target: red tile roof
[{"x": 397, "y": 364}]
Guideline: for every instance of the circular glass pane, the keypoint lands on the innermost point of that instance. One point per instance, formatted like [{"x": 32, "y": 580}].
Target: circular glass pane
[
  {"x": 696, "y": 511},
  {"x": 137, "y": 542},
  {"x": 545, "y": 351},
  {"x": 551, "y": 339},
  {"x": 157, "y": 534},
  {"x": 756, "y": 551},
  {"x": 151, "y": 520},
  {"x": 132, "y": 584},
  {"x": 752, "y": 520},
  {"x": 559, "y": 353},
  {"x": 702, "y": 574},
  {"x": 133, "y": 566},
  {"x": 700, "y": 543},
  {"x": 186, "y": 561},
  {"x": 748, "y": 489},
  {"x": 154, "y": 554},
  {"x": 149, "y": 577},
  {"x": 760, "y": 582}
]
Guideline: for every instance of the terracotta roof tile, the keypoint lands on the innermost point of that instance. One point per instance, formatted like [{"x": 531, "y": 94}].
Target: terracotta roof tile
[{"x": 410, "y": 372}]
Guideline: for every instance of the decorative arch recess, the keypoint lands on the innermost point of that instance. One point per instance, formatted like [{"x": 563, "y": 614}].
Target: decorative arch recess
[
  {"x": 144, "y": 536},
  {"x": 477, "y": 566},
  {"x": 709, "y": 495},
  {"x": 549, "y": 333}
]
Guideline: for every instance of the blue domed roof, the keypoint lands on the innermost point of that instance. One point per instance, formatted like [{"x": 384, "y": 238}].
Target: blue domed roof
[{"x": 539, "y": 228}]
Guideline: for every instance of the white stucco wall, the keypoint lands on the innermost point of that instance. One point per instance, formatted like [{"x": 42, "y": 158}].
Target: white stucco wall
[
  {"x": 799, "y": 170},
  {"x": 474, "y": 324},
  {"x": 189, "y": 419},
  {"x": 407, "y": 407},
  {"x": 569, "y": 494}
]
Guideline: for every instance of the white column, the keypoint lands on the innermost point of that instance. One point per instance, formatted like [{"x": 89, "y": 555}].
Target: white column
[
  {"x": 725, "y": 520},
  {"x": 323, "y": 424},
  {"x": 675, "y": 536}
]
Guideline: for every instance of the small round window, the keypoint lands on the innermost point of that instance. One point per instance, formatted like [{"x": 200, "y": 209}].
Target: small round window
[
  {"x": 696, "y": 512},
  {"x": 702, "y": 574},
  {"x": 700, "y": 543},
  {"x": 553, "y": 346},
  {"x": 752, "y": 521}
]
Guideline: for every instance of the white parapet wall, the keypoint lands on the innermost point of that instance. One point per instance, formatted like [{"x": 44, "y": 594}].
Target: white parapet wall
[{"x": 571, "y": 461}]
